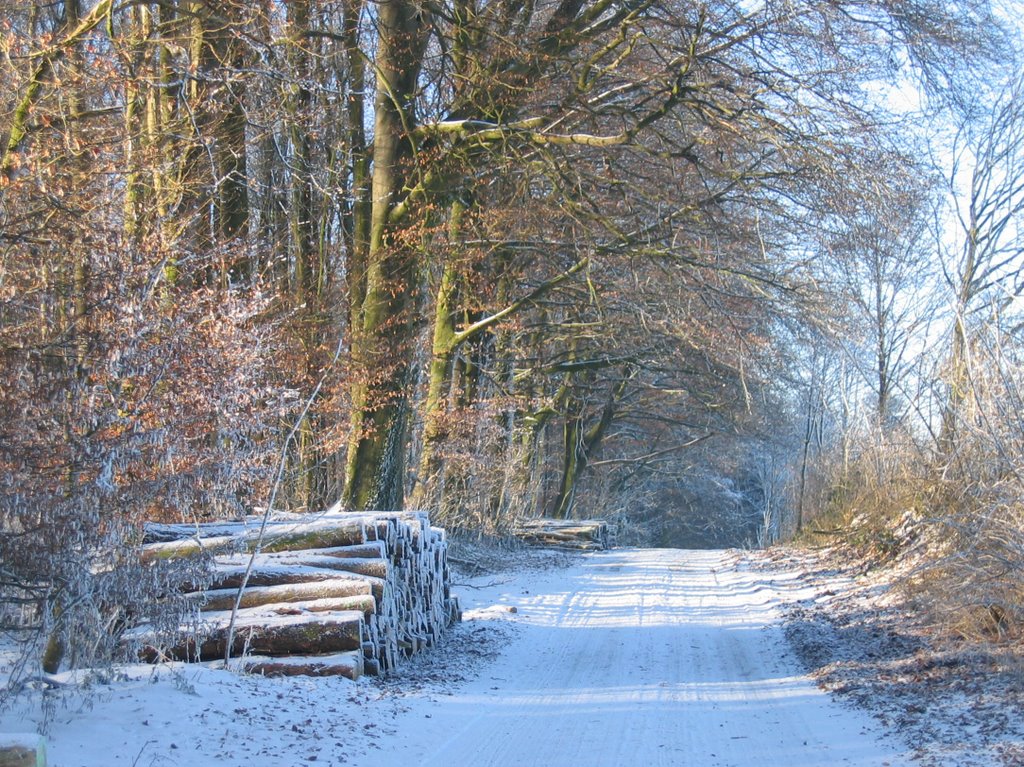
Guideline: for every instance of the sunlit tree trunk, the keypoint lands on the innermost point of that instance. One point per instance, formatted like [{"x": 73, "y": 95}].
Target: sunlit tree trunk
[
  {"x": 359, "y": 210},
  {"x": 138, "y": 192},
  {"x": 382, "y": 341}
]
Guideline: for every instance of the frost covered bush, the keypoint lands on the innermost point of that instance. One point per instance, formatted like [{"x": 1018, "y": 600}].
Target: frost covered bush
[
  {"x": 973, "y": 582},
  {"x": 952, "y": 512}
]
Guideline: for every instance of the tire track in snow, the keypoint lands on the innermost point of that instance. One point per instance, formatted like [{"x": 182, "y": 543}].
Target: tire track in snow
[{"x": 661, "y": 657}]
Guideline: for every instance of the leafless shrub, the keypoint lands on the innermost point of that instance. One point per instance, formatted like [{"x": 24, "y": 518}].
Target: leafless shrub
[
  {"x": 883, "y": 481},
  {"x": 483, "y": 478}
]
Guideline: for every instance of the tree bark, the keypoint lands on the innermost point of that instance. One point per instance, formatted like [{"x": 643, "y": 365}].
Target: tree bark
[
  {"x": 351, "y": 665},
  {"x": 580, "y": 444},
  {"x": 360, "y": 210},
  {"x": 347, "y": 591},
  {"x": 382, "y": 343}
]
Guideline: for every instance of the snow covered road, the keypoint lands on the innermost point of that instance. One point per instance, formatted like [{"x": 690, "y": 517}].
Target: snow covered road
[
  {"x": 629, "y": 657},
  {"x": 645, "y": 657}
]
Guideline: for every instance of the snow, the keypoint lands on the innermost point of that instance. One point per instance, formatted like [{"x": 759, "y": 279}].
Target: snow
[
  {"x": 958, "y": 703},
  {"x": 627, "y": 657}
]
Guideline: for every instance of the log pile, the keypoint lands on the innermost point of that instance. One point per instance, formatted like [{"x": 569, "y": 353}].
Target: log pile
[
  {"x": 325, "y": 594},
  {"x": 584, "y": 534}
]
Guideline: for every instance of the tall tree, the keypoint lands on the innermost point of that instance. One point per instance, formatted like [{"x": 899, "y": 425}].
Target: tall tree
[
  {"x": 986, "y": 186},
  {"x": 460, "y": 92},
  {"x": 881, "y": 250}
]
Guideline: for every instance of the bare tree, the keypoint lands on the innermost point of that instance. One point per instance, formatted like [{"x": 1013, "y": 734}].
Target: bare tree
[
  {"x": 882, "y": 253},
  {"x": 984, "y": 267}
]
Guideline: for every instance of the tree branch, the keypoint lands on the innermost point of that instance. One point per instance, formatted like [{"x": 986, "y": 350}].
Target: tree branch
[{"x": 478, "y": 327}]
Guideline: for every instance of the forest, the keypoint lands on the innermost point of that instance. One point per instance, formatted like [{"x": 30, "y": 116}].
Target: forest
[{"x": 719, "y": 272}]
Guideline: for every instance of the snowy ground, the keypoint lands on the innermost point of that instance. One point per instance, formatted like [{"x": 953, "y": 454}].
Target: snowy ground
[
  {"x": 957, "y": 704},
  {"x": 624, "y": 657}
]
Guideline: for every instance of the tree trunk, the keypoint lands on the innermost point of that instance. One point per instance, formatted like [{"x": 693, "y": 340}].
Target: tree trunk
[
  {"x": 307, "y": 255},
  {"x": 382, "y": 343},
  {"x": 301, "y": 215},
  {"x": 212, "y": 181},
  {"x": 138, "y": 198},
  {"x": 439, "y": 386},
  {"x": 360, "y": 209},
  {"x": 580, "y": 444}
]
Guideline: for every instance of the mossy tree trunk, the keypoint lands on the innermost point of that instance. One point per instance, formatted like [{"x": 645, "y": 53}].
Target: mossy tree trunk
[
  {"x": 218, "y": 166},
  {"x": 358, "y": 210},
  {"x": 383, "y": 337},
  {"x": 440, "y": 382}
]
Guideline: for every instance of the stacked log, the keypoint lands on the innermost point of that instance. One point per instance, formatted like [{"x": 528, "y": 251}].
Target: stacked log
[
  {"x": 324, "y": 594},
  {"x": 583, "y": 534}
]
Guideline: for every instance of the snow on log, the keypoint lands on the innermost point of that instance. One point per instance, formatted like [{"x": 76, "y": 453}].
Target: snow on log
[
  {"x": 310, "y": 531},
  {"x": 230, "y": 573},
  {"x": 158, "y": 533},
  {"x": 390, "y": 569},
  {"x": 225, "y": 599},
  {"x": 376, "y": 568},
  {"x": 365, "y": 603},
  {"x": 587, "y": 534},
  {"x": 374, "y": 549},
  {"x": 188, "y": 547},
  {"x": 22, "y": 750}
]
